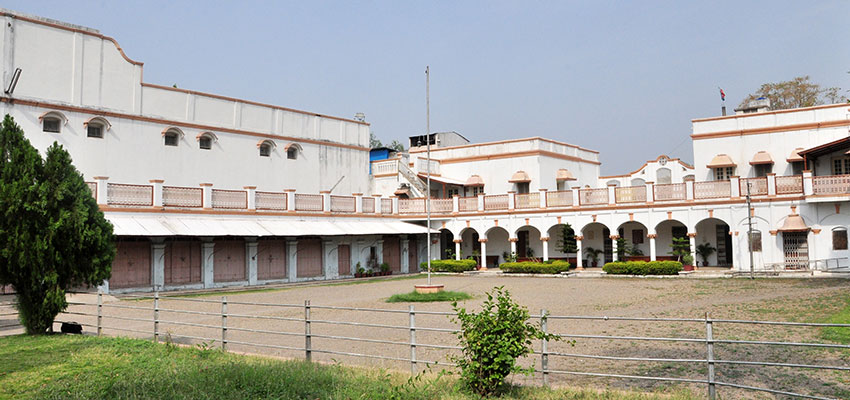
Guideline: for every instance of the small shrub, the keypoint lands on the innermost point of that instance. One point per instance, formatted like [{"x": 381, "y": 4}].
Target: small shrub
[
  {"x": 492, "y": 340},
  {"x": 414, "y": 297},
  {"x": 643, "y": 268},
  {"x": 530, "y": 267},
  {"x": 449, "y": 265}
]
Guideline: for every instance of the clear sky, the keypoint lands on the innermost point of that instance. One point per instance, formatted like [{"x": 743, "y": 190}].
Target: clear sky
[{"x": 624, "y": 78}]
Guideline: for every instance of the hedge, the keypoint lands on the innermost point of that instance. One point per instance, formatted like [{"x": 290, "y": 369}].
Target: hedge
[
  {"x": 450, "y": 265},
  {"x": 643, "y": 267},
  {"x": 530, "y": 267}
]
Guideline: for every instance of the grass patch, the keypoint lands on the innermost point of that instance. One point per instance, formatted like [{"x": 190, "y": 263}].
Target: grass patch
[
  {"x": 88, "y": 367},
  {"x": 414, "y": 297},
  {"x": 837, "y": 334}
]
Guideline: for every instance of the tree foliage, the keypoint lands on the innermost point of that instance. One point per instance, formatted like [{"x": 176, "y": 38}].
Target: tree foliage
[
  {"x": 796, "y": 93},
  {"x": 396, "y": 145},
  {"x": 374, "y": 141},
  {"x": 567, "y": 241},
  {"x": 53, "y": 237},
  {"x": 492, "y": 340}
]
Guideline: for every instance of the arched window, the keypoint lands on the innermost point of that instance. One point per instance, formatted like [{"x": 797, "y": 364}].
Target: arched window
[
  {"x": 52, "y": 121},
  {"x": 638, "y": 182},
  {"x": 663, "y": 176},
  {"x": 266, "y": 147},
  {"x": 205, "y": 140},
  {"x": 292, "y": 151},
  {"x": 96, "y": 126},
  {"x": 613, "y": 182},
  {"x": 839, "y": 238},
  {"x": 171, "y": 136}
]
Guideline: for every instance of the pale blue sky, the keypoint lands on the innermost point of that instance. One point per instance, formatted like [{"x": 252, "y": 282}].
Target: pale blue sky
[{"x": 624, "y": 78}]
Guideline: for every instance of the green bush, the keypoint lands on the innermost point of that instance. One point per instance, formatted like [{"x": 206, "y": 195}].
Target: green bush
[
  {"x": 643, "y": 268},
  {"x": 449, "y": 265},
  {"x": 530, "y": 267},
  {"x": 492, "y": 340}
]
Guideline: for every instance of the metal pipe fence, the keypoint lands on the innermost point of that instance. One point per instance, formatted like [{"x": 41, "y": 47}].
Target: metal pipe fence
[{"x": 302, "y": 331}]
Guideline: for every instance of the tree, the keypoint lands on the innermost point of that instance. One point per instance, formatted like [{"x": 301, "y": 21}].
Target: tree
[
  {"x": 374, "y": 141},
  {"x": 796, "y": 93},
  {"x": 567, "y": 241},
  {"x": 53, "y": 237},
  {"x": 396, "y": 145}
]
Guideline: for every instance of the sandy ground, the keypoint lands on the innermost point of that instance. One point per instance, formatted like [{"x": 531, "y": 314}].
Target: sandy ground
[{"x": 763, "y": 299}]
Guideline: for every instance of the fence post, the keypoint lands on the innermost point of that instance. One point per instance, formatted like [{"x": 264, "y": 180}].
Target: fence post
[
  {"x": 412, "y": 340},
  {"x": 224, "y": 323},
  {"x": 156, "y": 317},
  {"x": 544, "y": 357},
  {"x": 99, "y": 312},
  {"x": 307, "y": 339},
  {"x": 709, "y": 341}
]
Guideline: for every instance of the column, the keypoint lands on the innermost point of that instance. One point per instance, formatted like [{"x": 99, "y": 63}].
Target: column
[
  {"x": 292, "y": 259},
  {"x": 252, "y": 197},
  {"x": 207, "y": 187},
  {"x": 808, "y": 185},
  {"x": 357, "y": 252},
  {"x": 290, "y": 200},
  {"x": 458, "y": 243},
  {"x": 101, "y": 194},
  {"x": 615, "y": 247},
  {"x": 692, "y": 240},
  {"x": 576, "y": 192},
  {"x": 650, "y": 192},
  {"x": 771, "y": 184},
  {"x": 511, "y": 200},
  {"x": 405, "y": 255},
  {"x": 326, "y": 201},
  {"x": 513, "y": 246},
  {"x": 483, "y": 253},
  {"x": 543, "y": 203},
  {"x": 157, "y": 191},
  {"x": 207, "y": 249},
  {"x": 480, "y": 201},
  {"x": 545, "y": 243},
  {"x": 358, "y": 203},
  {"x": 251, "y": 259},
  {"x": 612, "y": 198},
  {"x": 735, "y": 189},
  {"x": 579, "y": 261},
  {"x": 330, "y": 258},
  {"x": 652, "y": 252},
  {"x": 395, "y": 204},
  {"x": 377, "y": 203},
  {"x": 158, "y": 263},
  {"x": 380, "y": 251},
  {"x": 689, "y": 189}
]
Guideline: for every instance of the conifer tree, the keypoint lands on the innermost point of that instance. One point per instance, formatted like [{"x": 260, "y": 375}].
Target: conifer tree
[{"x": 53, "y": 237}]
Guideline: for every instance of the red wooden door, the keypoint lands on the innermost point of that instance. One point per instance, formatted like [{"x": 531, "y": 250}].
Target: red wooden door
[
  {"x": 182, "y": 262},
  {"x": 229, "y": 261},
  {"x": 412, "y": 255},
  {"x": 309, "y": 258},
  {"x": 392, "y": 252},
  {"x": 271, "y": 259},
  {"x": 132, "y": 265},
  {"x": 344, "y": 253}
]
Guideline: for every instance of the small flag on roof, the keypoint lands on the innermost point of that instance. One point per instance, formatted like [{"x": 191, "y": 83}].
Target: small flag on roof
[{"x": 722, "y": 94}]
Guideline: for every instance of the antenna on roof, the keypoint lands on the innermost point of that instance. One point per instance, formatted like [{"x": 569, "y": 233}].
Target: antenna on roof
[{"x": 14, "y": 82}]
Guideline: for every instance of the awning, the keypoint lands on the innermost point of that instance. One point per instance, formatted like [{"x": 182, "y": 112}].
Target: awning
[
  {"x": 564, "y": 175},
  {"x": 794, "y": 223},
  {"x": 519, "y": 176},
  {"x": 761, "y": 158},
  {"x": 443, "y": 179},
  {"x": 402, "y": 191},
  {"x": 795, "y": 156},
  {"x": 126, "y": 224},
  {"x": 720, "y": 161},
  {"x": 474, "y": 180}
]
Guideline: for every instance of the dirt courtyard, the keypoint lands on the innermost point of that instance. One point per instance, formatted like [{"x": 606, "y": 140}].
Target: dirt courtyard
[{"x": 773, "y": 299}]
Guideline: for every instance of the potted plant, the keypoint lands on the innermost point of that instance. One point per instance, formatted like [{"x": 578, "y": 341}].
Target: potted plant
[
  {"x": 688, "y": 262},
  {"x": 593, "y": 256},
  {"x": 360, "y": 272},
  {"x": 704, "y": 251},
  {"x": 385, "y": 269}
]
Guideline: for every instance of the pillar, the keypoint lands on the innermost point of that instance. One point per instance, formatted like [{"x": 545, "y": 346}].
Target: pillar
[
  {"x": 579, "y": 261},
  {"x": 689, "y": 189},
  {"x": 612, "y": 198},
  {"x": 357, "y": 249},
  {"x": 615, "y": 247},
  {"x": 251, "y": 259},
  {"x": 358, "y": 203},
  {"x": 290, "y": 200},
  {"x": 252, "y": 197},
  {"x": 808, "y": 185},
  {"x": 543, "y": 203},
  {"x": 157, "y": 191},
  {"x": 379, "y": 249},
  {"x": 735, "y": 187},
  {"x": 513, "y": 246},
  {"x": 292, "y": 259},
  {"x": 405, "y": 255},
  {"x": 326, "y": 201},
  {"x": 455, "y": 204},
  {"x": 511, "y": 200},
  {"x": 378, "y": 208},
  {"x": 102, "y": 192},
  {"x": 652, "y": 252},
  {"x": 483, "y": 253},
  {"x": 158, "y": 263},
  {"x": 395, "y": 204},
  {"x": 207, "y": 249},
  {"x": 576, "y": 192},
  {"x": 650, "y": 192},
  {"x": 771, "y": 184},
  {"x": 458, "y": 243},
  {"x": 480, "y": 201},
  {"x": 692, "y": 242},
  {"x": 207, "y": 196},
  {"x": 545, "y": 243},
  {"x": 330, "y": 258}
]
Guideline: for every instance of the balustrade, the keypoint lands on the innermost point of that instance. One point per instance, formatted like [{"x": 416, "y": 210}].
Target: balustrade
[
  {"x": 712, "y": 189},
  {"x": 466, "y": 204},
  {"x": 758, "y": 186},
  {"x": 442, "y": 205},
  {"x": 120, "y": 194},
  {"x": 274, "y": 201},
  {"x": 831, "y": 184},
  {"x": 93, "y": 187},
  {"x": 563, "y": 198},
  {"x": 411, "y": 206},
  {"x": 527, "y": 200},
  {"x": 342, "y": 204},
  {"x": 309, "y": 202},
  {"x": 593, "y": 196},
  {"x": 496, "y": 202},
  {"x": 670, "y": 191},
  {"x": 187, "y": 197},
  {"x": 630, "y": 194},
  {"x": 230, "y": 199},
  {"x": 386, "y": 167},
  {"x": 789, "y": 184},
  {"x": 386, "y": 206},
  {"x": 368, "y": 204}
]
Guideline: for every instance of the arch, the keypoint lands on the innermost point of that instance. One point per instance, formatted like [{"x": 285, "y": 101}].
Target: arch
[
  {"x": 171, "y": 136},
  {"x": 665, "y": 231},
  {"x": 447, "y": 245},
  {"x": 636, "y": 244},
  {"x": 498, "y": 244},
  {"x": 596, "y": 236},
  {"x": 559, "y": 241},
  {"x": 292, "y": 150},
  {"x": 98, "y": 120},
  {"x": 613, "y": 182},
  {"x": 470, "y": 246},
  {"x": 638, "y": 182},
  {"x": 268, "y": 142},
  {"x": 173, "y": 129},
  {"x": 528, "y": 242},
  {"x": 54, "y": 114},
  {"x": 206, "y": 139},
  {"x": 265, "y": 147},
  {"x": 208, "y": 134},
  {"x": 714, "y": 232},
  {"x": 663, "y": 176}
]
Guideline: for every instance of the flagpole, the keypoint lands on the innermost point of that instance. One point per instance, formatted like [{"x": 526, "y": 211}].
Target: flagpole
[{"x": 428, "y": 163}]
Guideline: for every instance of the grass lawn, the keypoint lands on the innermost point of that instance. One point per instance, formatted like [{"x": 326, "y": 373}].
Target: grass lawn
[
  {"x": 836, "y": 334},
  {"x": 414, "y": 297},
  {"x": 87, "y": 367}
]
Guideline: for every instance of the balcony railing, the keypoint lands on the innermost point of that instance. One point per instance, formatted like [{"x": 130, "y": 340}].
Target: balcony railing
[
  {"x": 527, "y": 200},
  {"x": 368, "y": 205},
  {"x": 309, "y": 202},
  {"x": 630, "y": 194},
  {"x": 466, "y": 204},
  {"x": 120, "y": 194},
  {"x": 385, "y": 167},
  {"x": 758, "y": 186},
  {"x": 789, "y": 184},
  {"x": 831, "y": 184},
  {"x": 422, "y": 166},
  {"x": 712, "y": 189},
  {"x": 411, "y": 206},
  {"x": 182, "y": 197},
  {"x": 274, "y": 201},
  {"x": 386, "y": 206},
  {"x": 563, "y": 198},
  {"x": 593, "y": 196},
  {"x": 230, "y": 199},
  {"x": 670, "y": 191},
  {"x": 342, "y": 204},
  {"x": 495, "y": 202}
]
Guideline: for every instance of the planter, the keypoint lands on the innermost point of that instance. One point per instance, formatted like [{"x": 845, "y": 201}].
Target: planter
[{"x": 688, "y": 267}]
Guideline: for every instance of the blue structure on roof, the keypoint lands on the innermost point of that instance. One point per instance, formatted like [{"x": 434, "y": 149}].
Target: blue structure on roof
[{"x": 378, "y": 154}]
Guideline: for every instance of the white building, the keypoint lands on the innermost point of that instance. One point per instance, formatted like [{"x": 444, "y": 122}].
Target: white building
[{"x": 207, "y": 191}]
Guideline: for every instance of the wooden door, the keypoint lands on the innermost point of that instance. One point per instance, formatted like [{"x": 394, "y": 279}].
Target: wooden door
[
  {"x": 344, "y": 257},
  {"x": 229, "y": 261},
  {"x": 271, "y": 259},
  {"x": 132, "y": 265},
  {"x": 392, "y": 252},
  {"x": 309, "y": 258},
  {"x": 412, "y": 255},
  {"x": 182, "y": 262}
]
